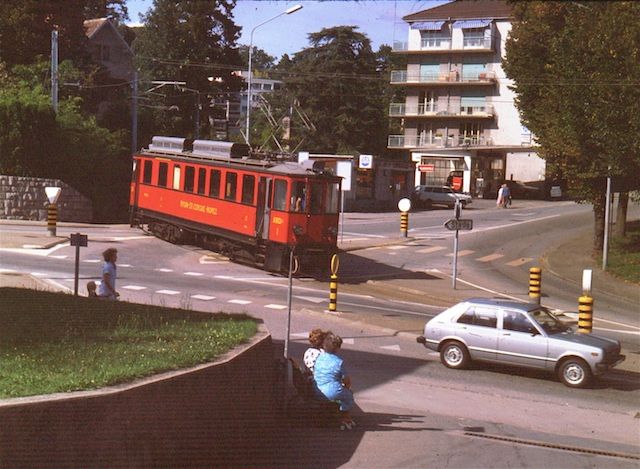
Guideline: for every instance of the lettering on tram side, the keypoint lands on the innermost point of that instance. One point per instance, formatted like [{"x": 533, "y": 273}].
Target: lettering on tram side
[
  {"x": 277, "y": 221},
  {"x": 198, "y": 207}
]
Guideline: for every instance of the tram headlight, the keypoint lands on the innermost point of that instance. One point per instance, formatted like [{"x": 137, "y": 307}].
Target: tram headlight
[{"x": 298, "y": 230}]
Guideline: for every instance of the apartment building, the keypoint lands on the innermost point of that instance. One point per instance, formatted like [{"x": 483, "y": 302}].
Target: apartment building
[{"x": 458, "y": 116}]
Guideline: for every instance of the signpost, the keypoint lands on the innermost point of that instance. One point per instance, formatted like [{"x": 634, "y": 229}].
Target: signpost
[
  {"x": 78, "y": 240},
  {"x": 456, "y": 224}
]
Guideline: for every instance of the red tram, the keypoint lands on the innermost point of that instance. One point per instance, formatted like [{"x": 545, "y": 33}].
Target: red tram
[{"x": 213, "y": 194}]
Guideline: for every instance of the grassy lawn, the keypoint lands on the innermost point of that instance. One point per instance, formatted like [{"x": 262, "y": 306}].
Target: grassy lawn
[
  {"x": 52, "y": 342},
  {"x": 624, "y": 255}
]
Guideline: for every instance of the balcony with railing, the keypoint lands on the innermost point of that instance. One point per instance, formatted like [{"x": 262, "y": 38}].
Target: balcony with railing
[
  {"x": 438, "y": 111},
  {"x": 444, "y": 45},
  {"x": 435, "y": 141},
  {"x": 402, "y": 77}
]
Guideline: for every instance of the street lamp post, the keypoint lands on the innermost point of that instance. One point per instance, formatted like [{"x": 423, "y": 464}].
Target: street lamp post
[{"x": 288, "y": 11}]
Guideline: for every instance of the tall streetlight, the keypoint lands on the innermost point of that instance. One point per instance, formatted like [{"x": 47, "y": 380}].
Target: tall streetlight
[{"x": 288, "y": 11}]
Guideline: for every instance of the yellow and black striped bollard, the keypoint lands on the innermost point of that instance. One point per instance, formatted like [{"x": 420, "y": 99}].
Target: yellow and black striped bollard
[
  {"x": 52, "y": 219},
  {"x": 585, "y": 314},
  {"x": 333, "y": 285},
  {"x": 404, "y": 223},
  {"x": 535, "y": 284}
]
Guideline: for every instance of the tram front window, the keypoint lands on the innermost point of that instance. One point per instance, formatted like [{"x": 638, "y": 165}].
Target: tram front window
[
  {"x": 332, "y": 203},
  {"x": 315, "y": 201}
]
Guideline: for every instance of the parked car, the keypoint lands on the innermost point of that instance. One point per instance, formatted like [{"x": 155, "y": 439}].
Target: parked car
[
  {"x": 512, "y": 333},
  {"x": 428, "y": 196}
]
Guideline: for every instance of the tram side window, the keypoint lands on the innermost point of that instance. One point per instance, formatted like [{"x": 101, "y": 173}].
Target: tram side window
[
  {"x": 147, "y": 170},
  {"x": 315, "y": 202},
  {"x": 189, "y": 178},
  {"x": 202, "y": 180},
  {"x": 214, "y": 183},
  {"x": 231, "y": 185},
  {"x": 163, "y": 171},
  {"x": 332, "y": 198},
  {"x": 248, "y": 188},
  {"x": 280, "y": 195}
]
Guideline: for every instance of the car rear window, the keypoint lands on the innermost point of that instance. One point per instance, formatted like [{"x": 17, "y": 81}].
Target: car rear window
[{"x": 479, "y": 316}]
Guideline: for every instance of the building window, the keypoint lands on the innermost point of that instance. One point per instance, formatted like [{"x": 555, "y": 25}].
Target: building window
[
  {"x": 435, "y": 40},
  {"x": 473, "y": 38}
]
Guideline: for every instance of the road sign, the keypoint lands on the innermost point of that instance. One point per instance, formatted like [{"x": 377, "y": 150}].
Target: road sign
[
  {"x": 455, "y": 224},
  {"x": 78, "y": 239}
]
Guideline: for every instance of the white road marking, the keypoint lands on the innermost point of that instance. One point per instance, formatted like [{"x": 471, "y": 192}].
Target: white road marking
[
  {"x": 519, "y": 262},
  {"x": 126, "y": 238},
  {"x": 239, "y": 302},
  {"x": 134, "y": 287},
  {"x": 124, "y": 265},
  {"x": 464, "y": 252},
  {"x": 348, "y": 341},
  {"x": 490, "y": 257},
  {"x": 273, "y": 306},
  {"x": 92, "y": 261},
  {"x": 396, "y": 247},
  {"x": 300, "y": 335},
  {"x": 35, "y": 252},
  {"x": 395, "y": 348},
  {"x": 203, "y": 297},
  {"x": 59, "y": 257},
  {"x": 365, "y": 236},
  {"x": 223, "y": 277},
  {"x": 38, "y": 274},
  {"x": 312, "y": 299},
  {"x": 163, "y": 270},
  {"x": 431, "y": 249},
  {"x": 194, "y": 274},
  {"x": 167, "y": 292},
  {"x": 7, "y": 271}
]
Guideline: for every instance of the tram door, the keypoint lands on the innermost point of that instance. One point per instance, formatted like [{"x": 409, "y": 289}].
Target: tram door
[{"x": 263, "y": 209}]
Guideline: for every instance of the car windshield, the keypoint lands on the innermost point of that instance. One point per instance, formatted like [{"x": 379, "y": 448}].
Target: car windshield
[{"x": 549, "y": 323}]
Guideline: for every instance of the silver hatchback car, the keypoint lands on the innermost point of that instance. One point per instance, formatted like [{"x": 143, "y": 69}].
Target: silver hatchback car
[{"x": 513, "y": 333}]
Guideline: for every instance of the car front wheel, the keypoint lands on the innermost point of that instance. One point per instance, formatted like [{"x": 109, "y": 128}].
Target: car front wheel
[
  {"x": 454, "y": 355},
  {"x": 574, "y": 372}
]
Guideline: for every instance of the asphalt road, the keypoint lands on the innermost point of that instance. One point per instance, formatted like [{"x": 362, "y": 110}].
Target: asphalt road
[{"x": 412, "y": 411}]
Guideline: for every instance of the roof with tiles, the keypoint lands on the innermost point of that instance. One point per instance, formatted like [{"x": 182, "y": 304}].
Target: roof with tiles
[{"x": 464, "y": 9}]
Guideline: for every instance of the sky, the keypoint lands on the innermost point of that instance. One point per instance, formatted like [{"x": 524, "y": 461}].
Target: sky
[{"x": 380, "y": 20}]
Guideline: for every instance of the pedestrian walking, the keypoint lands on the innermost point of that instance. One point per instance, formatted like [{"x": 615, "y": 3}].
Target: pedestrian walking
[
  {"x": 107, "y": 287},
  {"x": 504, "y": 196}
]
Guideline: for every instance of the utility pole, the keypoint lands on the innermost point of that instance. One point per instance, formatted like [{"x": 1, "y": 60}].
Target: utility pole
[
  {"x": 54, "y": 70},
  {"x": 134, "y": 113}
]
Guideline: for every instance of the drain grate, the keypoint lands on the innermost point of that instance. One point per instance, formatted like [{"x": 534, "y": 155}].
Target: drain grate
[{"x": 575, "y": 449}]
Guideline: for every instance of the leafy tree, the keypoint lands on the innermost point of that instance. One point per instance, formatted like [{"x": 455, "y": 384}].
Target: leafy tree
[
  {"x": 188, "y": 41},
  {"x": 575, "y": 67},
  {"x": 70, "y": 146},
  {"x": 260, "y": 60},
  {"x": 26, "y": 25},
  {"x": 336, "y": 83},
  {"x": 116, "y": 9}
]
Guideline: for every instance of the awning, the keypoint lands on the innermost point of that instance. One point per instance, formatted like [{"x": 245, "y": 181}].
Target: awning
[
  {"x": 428, "y": 25},
  {"x": 471, "y": 24}
]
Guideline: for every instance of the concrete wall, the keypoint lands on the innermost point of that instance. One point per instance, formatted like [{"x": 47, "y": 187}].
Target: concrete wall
[
  {"x": 216, "y": 414},
  {"x": 23, "y": 198}
]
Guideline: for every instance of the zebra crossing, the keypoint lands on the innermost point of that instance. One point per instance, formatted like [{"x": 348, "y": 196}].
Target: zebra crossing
[{"x": 442, "y": 250}]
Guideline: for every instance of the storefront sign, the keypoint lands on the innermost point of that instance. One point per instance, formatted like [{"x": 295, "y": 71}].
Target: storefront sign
[{"x": 426, "y": 168}]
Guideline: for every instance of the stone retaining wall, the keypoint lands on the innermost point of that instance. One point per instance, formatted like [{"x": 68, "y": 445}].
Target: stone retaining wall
[
  {"x": 23, "y": 198},
  {"x": 219, "y": 414}
]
